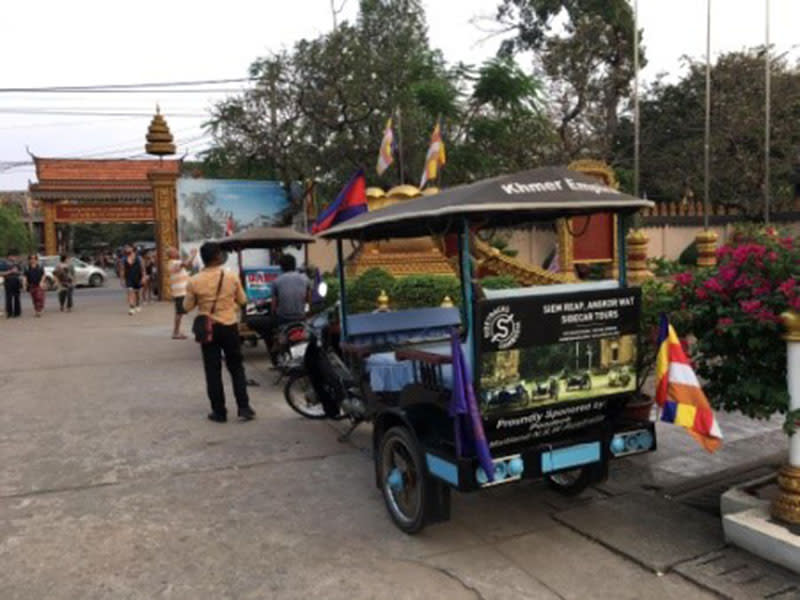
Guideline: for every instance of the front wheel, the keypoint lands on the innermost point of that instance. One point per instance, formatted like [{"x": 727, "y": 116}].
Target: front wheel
[
  {"x": 570, "y": 483},
  {"x": 96, "y": 280},
  {"x": 51, "y": 285},
  {"x": 300, "y": 395},
  {"x": 402, "y": 478}
]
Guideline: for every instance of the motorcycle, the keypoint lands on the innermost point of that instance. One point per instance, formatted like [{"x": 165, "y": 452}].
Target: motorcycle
[{"x": 320, "y": 384}]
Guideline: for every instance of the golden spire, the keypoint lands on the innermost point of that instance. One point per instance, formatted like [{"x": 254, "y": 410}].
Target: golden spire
[{"x": 159, "y": 138}]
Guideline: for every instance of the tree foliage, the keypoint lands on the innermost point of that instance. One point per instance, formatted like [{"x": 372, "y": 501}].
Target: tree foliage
[
  {"x": 14, "y": 235},
  {"x": 585, "y": 51},
  {"x": 317, "y": 111},
  {"x": 672, "y": 133}
]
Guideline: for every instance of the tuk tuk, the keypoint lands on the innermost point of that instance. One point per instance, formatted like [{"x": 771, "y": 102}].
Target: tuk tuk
[
  {"x": 551, "y": 421},
  {"x": 256, "y": 280}
]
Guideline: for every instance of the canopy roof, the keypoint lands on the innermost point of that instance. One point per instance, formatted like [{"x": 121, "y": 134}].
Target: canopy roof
[
  {"x": 535, "y": 195},
  {"x": 265, "y": 237}
]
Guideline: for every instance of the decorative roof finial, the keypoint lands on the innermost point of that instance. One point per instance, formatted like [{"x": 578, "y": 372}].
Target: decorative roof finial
[{"x": 159, "y": 139}]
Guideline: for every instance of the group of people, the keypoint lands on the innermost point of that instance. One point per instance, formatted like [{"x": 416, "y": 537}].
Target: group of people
[{"x": 31, "y": 278}]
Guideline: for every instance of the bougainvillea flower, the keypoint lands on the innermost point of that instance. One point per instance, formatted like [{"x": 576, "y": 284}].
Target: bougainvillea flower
[
  {"x": 787, "y": 288},
  {"x": 750, "y": 306},
  {"x": 683, "y": 278}
]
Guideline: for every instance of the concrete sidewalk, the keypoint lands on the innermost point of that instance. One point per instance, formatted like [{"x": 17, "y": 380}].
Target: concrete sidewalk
[{"x": 114, "y": 485}]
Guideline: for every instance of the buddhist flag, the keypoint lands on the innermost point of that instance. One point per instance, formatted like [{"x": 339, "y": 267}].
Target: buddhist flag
[
  {"x": 351, "y": 201},
  {"x": 436, "y": 157},
  {"x": 678, "y": 393},
  {"x": 386, "y": 154}
]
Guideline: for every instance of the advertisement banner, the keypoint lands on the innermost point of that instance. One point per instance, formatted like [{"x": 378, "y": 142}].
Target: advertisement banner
[
  {"x": 554, "y": 363},
  {"x": 257, "y": 283}
]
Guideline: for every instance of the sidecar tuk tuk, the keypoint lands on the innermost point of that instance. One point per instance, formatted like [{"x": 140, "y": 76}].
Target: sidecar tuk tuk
[
  {"x": 550, "y": 420},
  {"x": 256, "y": 280}
]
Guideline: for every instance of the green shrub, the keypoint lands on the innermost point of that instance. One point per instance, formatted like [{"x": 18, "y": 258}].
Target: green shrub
[
  {"x": 499, "y": 282},
  {"x": 420, "y": 291},
  {"x": 363, "y": 292}
]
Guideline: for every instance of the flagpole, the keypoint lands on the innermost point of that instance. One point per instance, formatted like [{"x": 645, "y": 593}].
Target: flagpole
[
  {"x": 636, "y": 98},
  {"x": 767, "y": 78},
  {"x": 707, "y": 144},
  {"x": 400, "y": 146}
]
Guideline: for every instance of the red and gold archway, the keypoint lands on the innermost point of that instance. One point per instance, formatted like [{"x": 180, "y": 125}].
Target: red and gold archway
[{"x": 74, "y": 190}]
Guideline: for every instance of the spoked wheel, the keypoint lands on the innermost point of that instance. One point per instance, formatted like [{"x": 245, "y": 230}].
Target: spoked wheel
[
  {"x": 570, "y": 483},
  {"x": 300, "y": 395},
  {"x": 402, "y": 476}
]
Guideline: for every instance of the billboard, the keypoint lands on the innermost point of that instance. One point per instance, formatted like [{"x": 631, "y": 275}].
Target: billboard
[
  {"x": 551, "y": 363},
  {"x": 213, "y": 208}
]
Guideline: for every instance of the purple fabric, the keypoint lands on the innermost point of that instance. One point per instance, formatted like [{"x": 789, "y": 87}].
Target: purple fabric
[{"x": 467, "y": 422}]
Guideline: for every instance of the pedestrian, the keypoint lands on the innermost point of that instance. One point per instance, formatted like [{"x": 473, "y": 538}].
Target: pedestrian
[
  {"x": 178, "y": 278},
  {"x": 149, "y": 272},
  {"x": 34, "y": 274},
  {"x": 132, "y": 276},
  {"x": 12, "y": 285},
  {"x": 65, "y": 275},
  {"x": 218, "y": 294}
]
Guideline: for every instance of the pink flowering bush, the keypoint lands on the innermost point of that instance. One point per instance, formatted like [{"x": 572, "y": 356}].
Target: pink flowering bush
[{"x": 733, "y": 311}]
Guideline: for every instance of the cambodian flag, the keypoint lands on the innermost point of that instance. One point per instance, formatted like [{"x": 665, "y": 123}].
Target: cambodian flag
[
  {"x": 351, "y": 201},
  {"x": 469, "y": 435}
]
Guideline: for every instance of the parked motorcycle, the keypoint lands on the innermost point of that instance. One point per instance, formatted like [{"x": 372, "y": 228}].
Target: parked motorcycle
[{"x": 321, "y": 386}]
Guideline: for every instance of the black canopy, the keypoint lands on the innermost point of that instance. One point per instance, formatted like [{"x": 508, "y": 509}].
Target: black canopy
[
  {"x": 536, "y": 195},
  {"x": 265, "y": 237}
]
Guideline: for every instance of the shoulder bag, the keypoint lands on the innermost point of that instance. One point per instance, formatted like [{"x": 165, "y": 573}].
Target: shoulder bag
[{"x": 203, "y": 325}]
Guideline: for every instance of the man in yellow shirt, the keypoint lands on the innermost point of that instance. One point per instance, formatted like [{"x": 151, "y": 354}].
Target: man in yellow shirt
[{"x": 219, "y": 294}]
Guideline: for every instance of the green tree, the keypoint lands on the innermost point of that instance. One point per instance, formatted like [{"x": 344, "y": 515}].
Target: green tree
[
  {"x": 585, "y": 50},
  {"x": 672, "y": 134},
  {"x": 14, "y": 235},
  {"x": 318, "y": 111}
]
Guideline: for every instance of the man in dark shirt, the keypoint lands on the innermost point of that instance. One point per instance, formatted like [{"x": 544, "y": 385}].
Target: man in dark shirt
[
  {"x": 34, "y": 274},
  {"x": 12, "y": 286}
]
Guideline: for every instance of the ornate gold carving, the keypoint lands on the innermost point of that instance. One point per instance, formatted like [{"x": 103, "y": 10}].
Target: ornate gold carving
[
  {"x": 706, "y": 248},
  {"x": 50, "y": 235},
  {"x": 791, "y": 321},
  {"x": 637, "y": 257},
  {"x": 383, "y": 301},
  {"x": 165, "y": 199},
  {"x": 447, "y": 302},
  {"x": 786, "y": 506}
]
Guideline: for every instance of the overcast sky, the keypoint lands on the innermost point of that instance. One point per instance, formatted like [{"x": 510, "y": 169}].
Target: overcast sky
[{"x": 92, "y": 42}]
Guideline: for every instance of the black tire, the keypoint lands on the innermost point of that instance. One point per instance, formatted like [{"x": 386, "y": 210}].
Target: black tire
[
  {"x": 398, "y": 452},
  {"x": 52, "y": 286},
  {"x": 570, "y": 483},
  {"x": 300, "y": 396},
  {"x": 96, "y": 280}
]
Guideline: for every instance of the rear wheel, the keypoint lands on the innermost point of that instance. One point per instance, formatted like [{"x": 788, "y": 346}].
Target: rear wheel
[
  {"x": 402, "y": 477},
  {"x": 570, "y": 483},
  {"x": 50, "y": 284},
  {"x": 96, "y": 280},
  {"x": 300, "y": 395}
]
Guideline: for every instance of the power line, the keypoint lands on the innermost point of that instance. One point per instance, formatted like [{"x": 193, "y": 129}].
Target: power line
[
  {"x": 80, "y": 113},
  {"x": 135, "y": 91},
  {"x": 122, "y": 86}
]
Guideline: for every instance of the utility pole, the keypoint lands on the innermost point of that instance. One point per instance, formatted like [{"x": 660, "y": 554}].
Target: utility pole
[
  {"x": 400, "y": 145},
  {"x": 707, "y": 139},
  {"x": 767, "y": 78}
]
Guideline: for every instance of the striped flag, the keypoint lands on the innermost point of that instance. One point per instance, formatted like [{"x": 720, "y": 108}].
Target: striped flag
[
  {"x": 229, "y": 225},
  {"x": 386, "y": 153},
  {"x": 678, "y": 393},
  {"x": 436, "y": 157}
]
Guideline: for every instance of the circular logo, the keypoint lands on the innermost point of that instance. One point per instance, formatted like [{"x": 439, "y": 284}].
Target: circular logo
[{"x": 501, "y": 327}]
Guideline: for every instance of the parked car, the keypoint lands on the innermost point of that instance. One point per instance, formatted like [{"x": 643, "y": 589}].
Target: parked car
[{"x": 85, "y": 274}]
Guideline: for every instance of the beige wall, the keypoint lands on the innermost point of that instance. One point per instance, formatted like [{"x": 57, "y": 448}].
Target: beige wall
[{"x": 322, "y": 254}]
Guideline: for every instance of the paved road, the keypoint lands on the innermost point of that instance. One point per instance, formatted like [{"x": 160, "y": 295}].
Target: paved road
[{"x": 114, "y": 485}]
